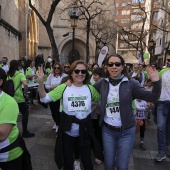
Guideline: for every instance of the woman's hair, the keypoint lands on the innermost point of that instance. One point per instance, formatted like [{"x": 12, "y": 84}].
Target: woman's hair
[
  {"x": 124, "y": 71},
  {"x": 74, "y": 65},
  {"x": 99, "y": 71},
  {"x": 13, "y": 66},
  {"x": 61, "y": 68},
  {"x": 94, "y": 65},
  {"x": 48, "y": 65},
  {"x": 3, "y": 76}
]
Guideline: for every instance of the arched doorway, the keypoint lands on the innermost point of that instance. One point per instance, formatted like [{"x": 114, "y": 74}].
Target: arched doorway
[
  {"x": 32, "y": 36},
  {"x": 76, "y": 56}
]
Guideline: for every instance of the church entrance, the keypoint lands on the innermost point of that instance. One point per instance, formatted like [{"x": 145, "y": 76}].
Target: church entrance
[{"x": 71, "y": 59}]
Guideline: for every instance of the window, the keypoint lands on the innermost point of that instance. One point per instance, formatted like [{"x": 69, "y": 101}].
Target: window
[
  {"x": 126, "y": 12},
  {"x": 125, "y": 4},
  {"x": 137, "y": 1},
  {"x": 123, "y": 45},
  {"x": 116, "y": 12},
  {"x": 137, "y": 17},
  {"x": 156, "y": 15},
  {"x": 137, "y": 10},
  {"x": 117, "y": 4},
  {"x": 124, "y": 21}
]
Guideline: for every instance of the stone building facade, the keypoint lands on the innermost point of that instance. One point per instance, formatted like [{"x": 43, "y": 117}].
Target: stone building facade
[{"x": 22, "y": 34}]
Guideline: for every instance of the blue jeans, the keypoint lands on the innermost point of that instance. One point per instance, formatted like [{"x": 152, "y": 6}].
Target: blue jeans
[
  {"x": 117, "y": 148},
  {"x": 163, "y": 125}
]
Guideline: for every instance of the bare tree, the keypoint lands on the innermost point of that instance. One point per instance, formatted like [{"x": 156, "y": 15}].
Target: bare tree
[{"x": 47, "y": 25}]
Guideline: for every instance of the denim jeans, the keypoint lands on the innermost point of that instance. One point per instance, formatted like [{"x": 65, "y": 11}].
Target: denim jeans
[
  {"x": 163, "y": 125},
  {"x": 117, "y": 148}
]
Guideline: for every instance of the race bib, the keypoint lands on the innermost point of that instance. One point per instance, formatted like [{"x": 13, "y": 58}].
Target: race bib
[
  {"x": 113, "y": 110},
  {"x": 77, "y": 103},
  {"x": 140, "y": 115}
]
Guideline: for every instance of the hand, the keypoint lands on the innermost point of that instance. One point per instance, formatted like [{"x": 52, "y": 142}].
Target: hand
[
  {"x": 40, "y": 75},
  {"x": 68, "y": 82},
  {"x": 152, "y": 73}
]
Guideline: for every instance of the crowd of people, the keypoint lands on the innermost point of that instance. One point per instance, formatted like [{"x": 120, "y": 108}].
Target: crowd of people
[{"x": 95, "y": 109}]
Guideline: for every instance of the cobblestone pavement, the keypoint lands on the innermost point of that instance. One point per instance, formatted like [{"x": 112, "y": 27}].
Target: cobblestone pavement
[{"x": 41, "y": 146}]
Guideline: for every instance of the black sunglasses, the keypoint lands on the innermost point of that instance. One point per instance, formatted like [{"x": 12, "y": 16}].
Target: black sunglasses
[
  {"x": 168, "y": 60},
  {"x": 78, "y": 71},
  {"x": 116, "y": 64},
  {"x": 66, "y": 66},
  {"x": 58, "y": 68}
]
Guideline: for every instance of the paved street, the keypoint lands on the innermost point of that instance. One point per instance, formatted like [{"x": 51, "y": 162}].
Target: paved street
[{"x": 41, "y": 146}]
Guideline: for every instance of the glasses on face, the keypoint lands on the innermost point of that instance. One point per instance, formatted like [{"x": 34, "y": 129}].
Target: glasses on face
[
  {"x": 78, "y": 71},
  {"x": 58, "y": 68},
  {"x": 66, "y": 66},
  {"x": 168, "y": 60},
  {"x": 117, "y": 64}
]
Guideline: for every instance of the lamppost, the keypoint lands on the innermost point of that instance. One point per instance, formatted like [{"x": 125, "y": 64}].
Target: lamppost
[
  {"x": 74, "y": 14},
  {"x": 98, "y": 47},
  {"x": 151, "y": 45}
]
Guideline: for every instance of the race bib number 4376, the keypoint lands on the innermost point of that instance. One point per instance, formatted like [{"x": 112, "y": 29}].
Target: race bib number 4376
[{"x": 77, "y": 103}]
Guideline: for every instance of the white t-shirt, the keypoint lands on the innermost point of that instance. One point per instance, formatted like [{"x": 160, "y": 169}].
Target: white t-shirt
[
  {"x": 5, "y": 68},
  {"x": 112, "y": 116},
  {"x": 165, "y": 91},
  {"x": 139, "y": 110}
]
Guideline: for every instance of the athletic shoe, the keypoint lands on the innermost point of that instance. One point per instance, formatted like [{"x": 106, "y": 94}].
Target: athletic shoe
[
  {"x": 142, "y": 146},
  {"x": 54, "y": 127},
  {"x": 28, "y": 135},
  {"x": 160, "y": 156},
  {"x": 77, "y": 165}
]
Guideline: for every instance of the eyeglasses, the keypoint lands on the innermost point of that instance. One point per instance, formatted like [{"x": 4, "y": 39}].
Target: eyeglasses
[
  {"x": 78, "y": 71},
  {"x": 116, "y": 64},
  {"x": 66, "y": 66},
  {"x": 168, "y": 60},
  {"x": 58, "y": 68}
]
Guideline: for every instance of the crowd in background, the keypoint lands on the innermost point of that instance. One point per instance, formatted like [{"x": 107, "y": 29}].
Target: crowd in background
[{"x": 114, "y": 73}]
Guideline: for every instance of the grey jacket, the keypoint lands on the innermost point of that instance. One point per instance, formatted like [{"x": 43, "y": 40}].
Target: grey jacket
[{"x": 129, "y": 90}]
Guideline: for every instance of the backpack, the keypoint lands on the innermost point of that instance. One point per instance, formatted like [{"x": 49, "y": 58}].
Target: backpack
[{"x": 9, "y": 87}]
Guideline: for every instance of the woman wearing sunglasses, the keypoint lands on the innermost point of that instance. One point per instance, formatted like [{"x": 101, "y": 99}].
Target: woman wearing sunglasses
[
  {"x": 53, "y": 80},
  {"x": 75, "y": 125},
  {"x": 118, "y": 122}
]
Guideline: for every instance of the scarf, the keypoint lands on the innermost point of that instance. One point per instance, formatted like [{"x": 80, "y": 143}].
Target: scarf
[{"x": 116, "y": 81}]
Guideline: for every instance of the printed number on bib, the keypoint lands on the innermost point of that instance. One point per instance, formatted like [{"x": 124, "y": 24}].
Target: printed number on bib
[
  {"x": 113, "y": 110},
  {"x": 77, "y": 103}
]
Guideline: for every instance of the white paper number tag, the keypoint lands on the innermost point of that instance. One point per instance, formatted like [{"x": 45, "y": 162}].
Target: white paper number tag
[
  {"x": 112, "y": 110},
  {"x": 77, "y": 103}
]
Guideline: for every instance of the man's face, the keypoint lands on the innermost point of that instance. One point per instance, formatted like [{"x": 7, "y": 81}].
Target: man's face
[
  {"x": 4, "y": 61},
  {"x": 168, "y": 61}
]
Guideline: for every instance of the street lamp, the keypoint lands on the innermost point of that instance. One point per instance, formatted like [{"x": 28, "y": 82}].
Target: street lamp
[
  {"x": 74, "y": 14},
  {"x": 151, "y": 45}
]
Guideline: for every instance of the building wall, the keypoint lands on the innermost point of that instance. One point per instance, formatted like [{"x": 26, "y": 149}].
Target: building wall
[{"x": 9, "y": 44}]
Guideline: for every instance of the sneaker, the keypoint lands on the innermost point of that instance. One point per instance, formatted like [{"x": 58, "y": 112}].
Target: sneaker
[
  {"x": 97, "y": 161},
  {"x": 77, "y": 165},
  {"x": 167, "y": 153},
  {"x": 160, "y": 156},
  {"x": 54, "y": 127},
  {"x": 142, "y": 146},
  {"x": 28, "y": 135}
]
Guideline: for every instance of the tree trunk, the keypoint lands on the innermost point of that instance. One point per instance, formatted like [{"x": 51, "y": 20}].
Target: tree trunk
[
  {"x": 87, "y": 41},
  {"x": 54, "y": 48}
]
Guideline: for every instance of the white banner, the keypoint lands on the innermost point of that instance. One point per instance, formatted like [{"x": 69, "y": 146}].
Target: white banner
[{"x": 102, "y": 55}]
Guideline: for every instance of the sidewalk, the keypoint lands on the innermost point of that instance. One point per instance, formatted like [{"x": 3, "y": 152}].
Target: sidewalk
[{"x": 42, "y": 145}]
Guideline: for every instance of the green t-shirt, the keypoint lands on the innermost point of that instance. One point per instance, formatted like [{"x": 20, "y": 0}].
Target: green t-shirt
[
  {"x": 8, "y": 115},
  {"x": 17, "y": 79}
]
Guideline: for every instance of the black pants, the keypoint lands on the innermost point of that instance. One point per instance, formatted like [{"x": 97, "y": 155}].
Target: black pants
[
  {"x": 15, "y": 164},
  {"x": 23, "y": 108},
  {"x": 55, "y": 107},
  {"x": 142, "y": 130},
  {"x": 69, "y": 143}
]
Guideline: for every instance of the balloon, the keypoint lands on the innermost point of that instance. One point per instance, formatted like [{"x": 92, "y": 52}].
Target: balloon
[{"x": 146, "y": 55}]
